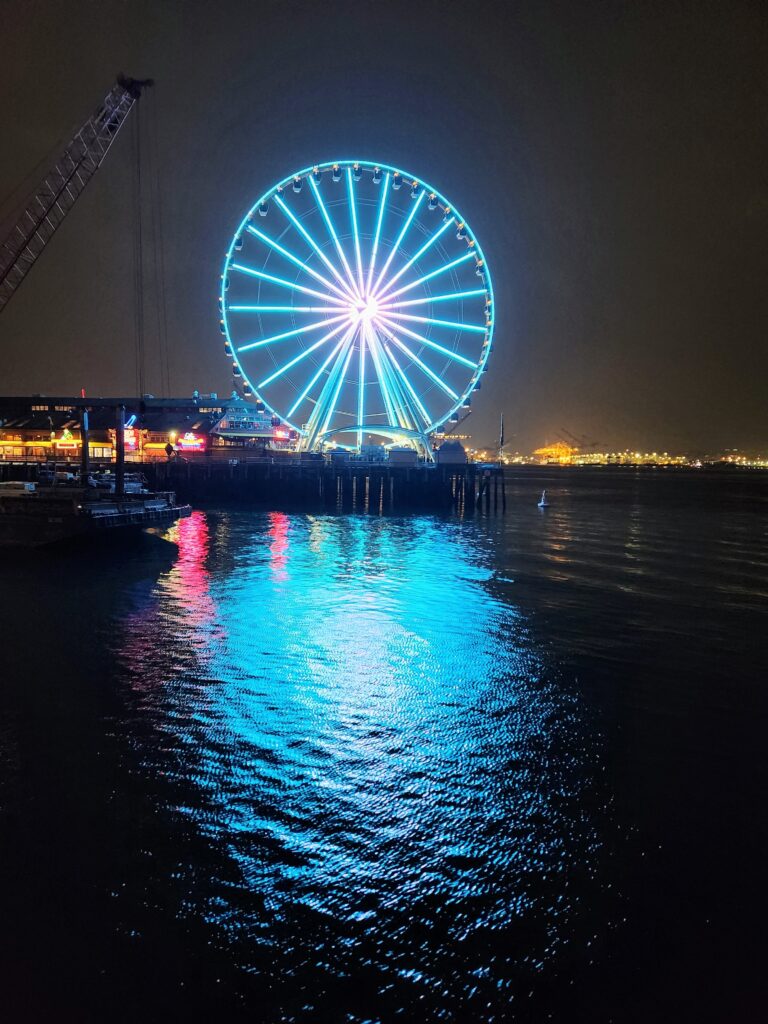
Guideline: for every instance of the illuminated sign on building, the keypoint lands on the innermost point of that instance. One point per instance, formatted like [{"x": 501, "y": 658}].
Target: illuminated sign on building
[{"x": 191, "y": 442}]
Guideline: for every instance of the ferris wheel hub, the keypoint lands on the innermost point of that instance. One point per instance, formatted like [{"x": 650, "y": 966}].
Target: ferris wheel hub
[{"x": 367, "y": 308}]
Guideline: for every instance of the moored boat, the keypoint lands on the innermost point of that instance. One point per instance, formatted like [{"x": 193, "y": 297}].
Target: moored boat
[{"x": 33, "y": 516}]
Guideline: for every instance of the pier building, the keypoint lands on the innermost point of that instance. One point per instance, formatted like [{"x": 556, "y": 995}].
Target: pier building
[{"x": 207, "y": 448}]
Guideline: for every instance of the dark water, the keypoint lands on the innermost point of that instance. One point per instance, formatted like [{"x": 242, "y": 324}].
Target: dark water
[{"x": 358, "y": 769}]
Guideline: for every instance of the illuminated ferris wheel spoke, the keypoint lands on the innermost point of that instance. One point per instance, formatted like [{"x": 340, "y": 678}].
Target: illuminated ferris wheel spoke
[
  {"x": 380, "y": 376},
  {"x": 402, "y": 412},
  {"x": 429, "y": 343},
  {"x": 335, "y": 376},
  {"x": 362, "y": 344},
  {"x": 377, "y": 235},
  {"x": 335, "y": 399},
  {"x": 414, "y": 259},
  {"x": 419, "y": 405},
  {"x": 355, "y": 233},
  {"x": 400, "y": 237},
  {"x": 437, "y": 323},
  {"x": 302, "y": 355},
  {"x": 300, "y": 227},
  {"x": 319, "y": 374},
  {"x": 334, "y": 236},
  {"x": 292, "y": 334},
  {"x": 405, "y": 413},
  {"x": 434, "y": 273},
  {"x": 412, "y": 355},
  {"x": 427, "y": 299},
  {"x": 284, "y": 309},
  {"x": 295, "y": 259},
  {"x": 286, "y": 284}
]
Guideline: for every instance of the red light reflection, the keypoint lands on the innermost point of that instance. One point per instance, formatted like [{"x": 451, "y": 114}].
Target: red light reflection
[
  {"x": 192, "y": 579},
  {"x": 179, "y": 614},
  {"x": 278, "y": 548}
]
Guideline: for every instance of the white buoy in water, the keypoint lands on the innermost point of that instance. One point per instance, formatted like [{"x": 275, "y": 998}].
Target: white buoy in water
[{"x": 543, "y": 503}]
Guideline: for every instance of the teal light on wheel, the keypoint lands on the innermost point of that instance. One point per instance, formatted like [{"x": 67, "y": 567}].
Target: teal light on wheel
[{"x": 356, "y": 301}]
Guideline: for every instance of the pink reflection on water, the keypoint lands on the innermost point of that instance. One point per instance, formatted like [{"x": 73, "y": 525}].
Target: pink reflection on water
[
  {"x": 189, "y": 579},
  {"x": 279, "y": 543},
  {"x": 180, "y": 618}
]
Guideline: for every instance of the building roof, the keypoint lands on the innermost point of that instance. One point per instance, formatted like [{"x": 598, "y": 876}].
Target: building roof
[{"x": 43, "y": 413}]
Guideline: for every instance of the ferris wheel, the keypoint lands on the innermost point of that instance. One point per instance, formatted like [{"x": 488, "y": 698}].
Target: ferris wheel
[{"x": 356, "y": 303}]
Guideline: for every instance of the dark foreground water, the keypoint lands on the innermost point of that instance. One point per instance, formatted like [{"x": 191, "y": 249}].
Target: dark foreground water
[{"x": 357, "y": 769}]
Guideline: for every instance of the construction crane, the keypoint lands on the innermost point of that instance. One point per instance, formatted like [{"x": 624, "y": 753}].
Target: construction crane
[
  {"x": 56, "y": 194},
  {"x": 581, "y": 441}
]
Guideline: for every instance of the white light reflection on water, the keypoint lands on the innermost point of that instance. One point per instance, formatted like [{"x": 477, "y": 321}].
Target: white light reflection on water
[{"x": 371, "y": 737}]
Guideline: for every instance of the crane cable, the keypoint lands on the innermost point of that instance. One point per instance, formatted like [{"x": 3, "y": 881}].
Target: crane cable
[
  {"x": 138, "y": 255},
  {"x": 158, "y": 244}
]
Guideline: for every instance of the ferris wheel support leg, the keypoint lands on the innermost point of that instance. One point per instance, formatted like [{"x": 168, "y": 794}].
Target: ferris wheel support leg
[
  {"x": 380, "y": 376},
  {"x": 405, "y": 414},
  {"x": 361, "y": 390},
  {"x": 329, "y": 395},
  {"x": 419, "y": 404}
]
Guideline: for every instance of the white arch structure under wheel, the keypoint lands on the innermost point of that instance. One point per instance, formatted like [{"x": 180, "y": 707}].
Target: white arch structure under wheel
[{"x": 356, "y": 303}]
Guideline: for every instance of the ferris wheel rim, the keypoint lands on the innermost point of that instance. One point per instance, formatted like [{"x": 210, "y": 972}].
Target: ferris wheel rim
[{"x": 474, "y": 249}]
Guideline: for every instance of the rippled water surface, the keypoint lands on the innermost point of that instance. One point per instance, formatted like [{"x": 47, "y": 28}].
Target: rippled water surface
[{"x": 351, "y": 768}]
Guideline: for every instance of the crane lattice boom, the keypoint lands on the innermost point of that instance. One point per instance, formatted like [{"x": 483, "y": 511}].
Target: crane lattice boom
[{"x": 56, "y": 194}]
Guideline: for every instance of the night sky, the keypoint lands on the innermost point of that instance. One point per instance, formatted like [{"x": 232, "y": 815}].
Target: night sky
[{"x": 610, "y": 157}]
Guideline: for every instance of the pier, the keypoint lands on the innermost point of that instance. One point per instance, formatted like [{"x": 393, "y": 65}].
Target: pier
[
  {"x": 174, "y": 444},
  {"x": 332, "y": 484},
  {"x": 312, "y": 483}
]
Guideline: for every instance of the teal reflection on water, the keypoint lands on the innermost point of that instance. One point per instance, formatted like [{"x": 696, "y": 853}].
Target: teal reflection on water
[{"x": 370, "y": 741}]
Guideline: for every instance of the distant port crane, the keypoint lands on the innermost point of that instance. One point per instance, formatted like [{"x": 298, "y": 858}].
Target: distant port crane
[
  {"x": 63, "y": 183},
  {"x": 581, "y": 441}
]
